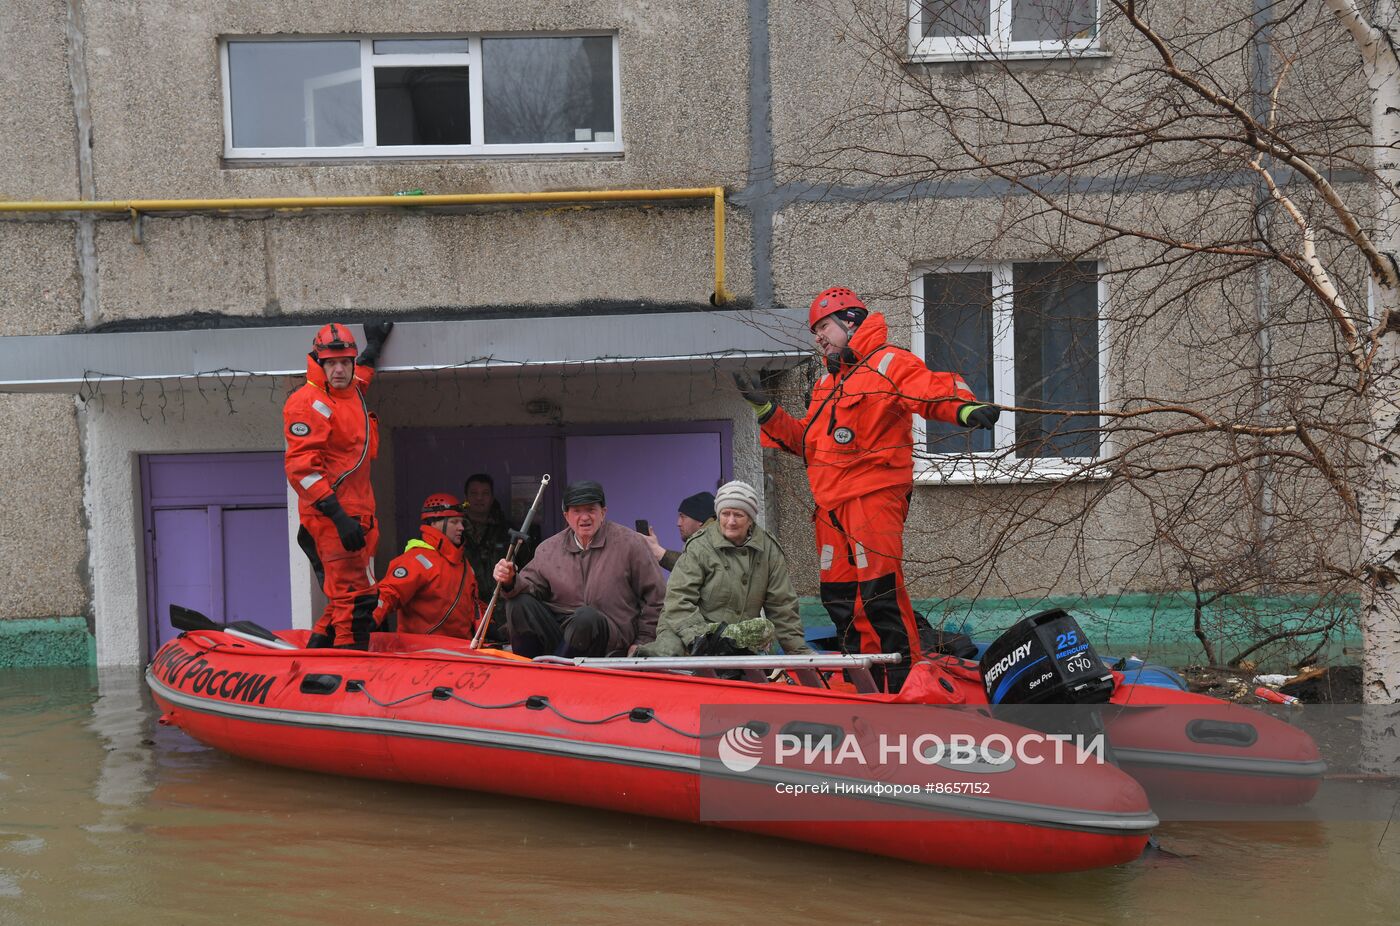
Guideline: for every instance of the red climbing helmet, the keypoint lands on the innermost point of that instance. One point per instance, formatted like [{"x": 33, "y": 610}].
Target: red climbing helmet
[
  {"x": 834, "y": 301},
  {"x": 333, "y": 340},
  {"x": 440, "y": 505}
]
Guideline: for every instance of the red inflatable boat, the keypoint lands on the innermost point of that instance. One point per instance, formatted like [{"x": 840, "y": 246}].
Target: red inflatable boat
[
  {"x": 1181, "y": 746},
  {"x": 430, "y": 710}
]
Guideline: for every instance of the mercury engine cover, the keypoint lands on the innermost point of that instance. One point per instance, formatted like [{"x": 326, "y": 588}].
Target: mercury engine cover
[{"x": 1045, "y": 659}]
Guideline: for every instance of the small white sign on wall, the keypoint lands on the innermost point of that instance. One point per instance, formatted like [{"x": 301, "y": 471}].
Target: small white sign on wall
[{"x": 522, "y": 493}]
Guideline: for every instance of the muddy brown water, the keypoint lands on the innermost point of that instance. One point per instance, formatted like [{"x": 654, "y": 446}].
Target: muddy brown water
[{"x": 108, "y": 818}]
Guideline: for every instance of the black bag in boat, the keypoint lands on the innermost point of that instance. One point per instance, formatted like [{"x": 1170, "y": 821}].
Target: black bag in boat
[
  {"x": 715, "y": 644},
  {"x": 947, "y": 643}
]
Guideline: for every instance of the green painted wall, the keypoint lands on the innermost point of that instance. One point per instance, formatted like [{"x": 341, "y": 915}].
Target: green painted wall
[
  {"x": 1155, "y": 627},
  {"x": 49, "y": 641}
]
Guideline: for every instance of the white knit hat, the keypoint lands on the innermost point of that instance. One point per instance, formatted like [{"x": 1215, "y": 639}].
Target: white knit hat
[{"x": 737, "y": 494}]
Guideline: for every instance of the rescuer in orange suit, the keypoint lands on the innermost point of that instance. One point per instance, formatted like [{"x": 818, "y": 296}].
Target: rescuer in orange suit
[
  {"x": 331, "y": 438},
  {"x": 857, "y": 441},
  {"x": 430, "y": 584}
]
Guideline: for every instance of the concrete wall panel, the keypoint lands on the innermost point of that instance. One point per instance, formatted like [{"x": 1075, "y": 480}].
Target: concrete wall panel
[
  {"x": 331, "y": 262},
  {"x": 38, "y": 269},
  {"x": 38, "y": 148},
  {"x": 554, "y": 256},
  {"x": 183, "y": 265},
  {"x": 43, "y": 541},
  {"x": 161, "y": 124},
  {"x": 866, "y": 114}
]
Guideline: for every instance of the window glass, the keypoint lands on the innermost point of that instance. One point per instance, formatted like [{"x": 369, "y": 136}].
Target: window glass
[
  {"x": 1052, "y": 20},
  {"x": 421, "y": 46},
  {"x": 1057, "y": 357},
  {"x": 958, "y": 339},
  {"x": 422, "y": 106},
  {"x": 556, "y": 89},
  {"x": 295, "y": 94},
  {"x": 953, "y": 18}
]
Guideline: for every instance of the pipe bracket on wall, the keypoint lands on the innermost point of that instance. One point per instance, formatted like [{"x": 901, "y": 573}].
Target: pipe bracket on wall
[{"x": 138, "y": 227}]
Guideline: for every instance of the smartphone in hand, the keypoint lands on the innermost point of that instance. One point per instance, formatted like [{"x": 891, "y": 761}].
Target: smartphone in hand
[{"x": 643, "y": 527}]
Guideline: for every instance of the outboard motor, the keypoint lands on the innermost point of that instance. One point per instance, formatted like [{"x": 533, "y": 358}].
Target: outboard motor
[{"x": 1046, "y": 659}]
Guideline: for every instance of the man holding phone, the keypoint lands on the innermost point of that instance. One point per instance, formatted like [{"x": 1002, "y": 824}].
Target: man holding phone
[{"x": 694, "y": 513}]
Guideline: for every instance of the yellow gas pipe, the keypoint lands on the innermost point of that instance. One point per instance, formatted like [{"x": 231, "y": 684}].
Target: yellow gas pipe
[{"x": 137, "y": 207}]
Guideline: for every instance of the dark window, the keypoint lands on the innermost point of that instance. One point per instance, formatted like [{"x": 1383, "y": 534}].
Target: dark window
[
  {"x": 422, "y": 106},
  {"x": 295, "y": 94},
  {"x": 956, "y": 18},
  {"x": 539, "y": 90},
  {"x": 1052, "y": 20},
  {"x": 361, "y": 96},
  {"x": 958, "y": 339},
  {"x": 1057, "y": 358},
  {"x": 1043, "y": 316}
]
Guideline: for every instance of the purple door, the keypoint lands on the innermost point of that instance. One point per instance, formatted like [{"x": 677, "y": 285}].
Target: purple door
[
  {"x": 180, "y": 541},
  {"x": 216, "y": 538},
  {"x": 646, "y": 469},
  {"x": 645, "y": 476},
  {"x": 257, "y": 583}
]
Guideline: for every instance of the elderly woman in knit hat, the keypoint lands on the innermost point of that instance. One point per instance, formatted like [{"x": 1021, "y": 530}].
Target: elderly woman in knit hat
[{"x": 730, "y": 592}]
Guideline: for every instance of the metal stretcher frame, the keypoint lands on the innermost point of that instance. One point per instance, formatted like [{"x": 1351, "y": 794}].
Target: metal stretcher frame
[{"x": 805, "y": 668}]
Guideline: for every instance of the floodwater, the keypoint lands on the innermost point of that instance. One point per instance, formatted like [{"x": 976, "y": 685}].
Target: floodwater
[{"x": 107, "y": 817}]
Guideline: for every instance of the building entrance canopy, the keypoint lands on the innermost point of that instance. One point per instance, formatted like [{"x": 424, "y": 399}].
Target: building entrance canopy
[{"x": 90, "y": 362}]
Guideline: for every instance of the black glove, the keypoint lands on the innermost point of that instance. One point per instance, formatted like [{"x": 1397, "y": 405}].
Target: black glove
[
  {"x": 376, "y": 333},
  {"x": 715, "y": 643},
  {"x": 352, "y": 535},
  {"x": 975, "y": 415},
  {"x": 752, "y": 390}
]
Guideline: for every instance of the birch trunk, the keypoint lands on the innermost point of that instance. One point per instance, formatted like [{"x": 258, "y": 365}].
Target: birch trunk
[{"x": 1376, "y": 39}]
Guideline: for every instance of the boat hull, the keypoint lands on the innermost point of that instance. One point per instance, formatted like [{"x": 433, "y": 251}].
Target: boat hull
[{"x": 623, "y": 741}]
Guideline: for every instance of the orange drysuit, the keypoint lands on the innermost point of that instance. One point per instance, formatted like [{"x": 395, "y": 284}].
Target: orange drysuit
[
  {"x": 857, "y": 440},
  {"x": 331, "y": 438},
  {"x": 432, "y": 587}
]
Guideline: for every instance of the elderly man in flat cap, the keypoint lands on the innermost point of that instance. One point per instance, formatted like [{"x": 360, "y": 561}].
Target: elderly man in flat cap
[{"x": 593, "y": 589}]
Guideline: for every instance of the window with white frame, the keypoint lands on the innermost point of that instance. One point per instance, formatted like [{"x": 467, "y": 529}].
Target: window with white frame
[
  {"x": 420, "y": 96},
  {"x": 959, "y": 29},
  {"x": 1024, "y": 334}
]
